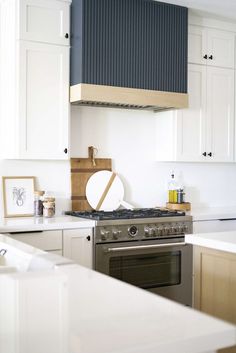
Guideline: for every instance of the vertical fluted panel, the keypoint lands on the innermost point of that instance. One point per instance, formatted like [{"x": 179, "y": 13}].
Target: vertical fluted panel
[{"x": 134, "y": 43}]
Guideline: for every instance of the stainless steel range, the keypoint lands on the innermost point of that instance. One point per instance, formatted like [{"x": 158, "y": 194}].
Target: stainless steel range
[{"x": 146, "y": 248}]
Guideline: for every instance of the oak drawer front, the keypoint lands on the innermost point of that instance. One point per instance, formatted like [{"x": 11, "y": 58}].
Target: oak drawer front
[{"x": 45, "y": 240}]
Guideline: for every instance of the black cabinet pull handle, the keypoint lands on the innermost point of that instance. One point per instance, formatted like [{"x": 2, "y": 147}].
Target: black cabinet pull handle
[
  {"x": 204, "y": 154},
  {"x": 211, "y": 57},
  {"x": 88, "y": 238},
  {"x": 210, "y": 154},
  {"x": 65, "y": 150},
  {"x": 67, "y": 35},
  {"x": 205, "y": 56}
]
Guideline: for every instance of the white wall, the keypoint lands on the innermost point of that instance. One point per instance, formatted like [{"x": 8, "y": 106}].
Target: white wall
[{"x": 128, "y": 137}]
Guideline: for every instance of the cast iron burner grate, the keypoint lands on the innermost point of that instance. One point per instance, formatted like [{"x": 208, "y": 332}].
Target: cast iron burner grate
[{"x": 126, "y": 214}]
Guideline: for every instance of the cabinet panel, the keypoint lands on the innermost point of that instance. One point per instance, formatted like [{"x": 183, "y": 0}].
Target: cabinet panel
[
  {"x": 191, "y": 129},
  {"x": 43, "y": 100},
  {"x": 46, "y": 240},
  {"x": 197, "y": 45},
  {"x": 220, "y": 113},
  {"x": 78, "y": 246},
  {"x": 44, "y": 21},
  {"x": 221, "y": 47},
  {"x": 215, "y": 283}
]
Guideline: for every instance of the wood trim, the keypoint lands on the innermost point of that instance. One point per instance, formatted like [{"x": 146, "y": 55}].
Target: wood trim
[
  {"x": 127, "y": 97},
  {"x": 104, "y": 194},
  {"x": 92, "y": 170}
]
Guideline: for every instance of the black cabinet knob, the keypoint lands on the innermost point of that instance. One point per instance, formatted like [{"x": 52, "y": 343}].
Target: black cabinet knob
[
  {"x": 204, "y": 154},
  {"x": 65, "y": 150},
  {"x": 88, "y": 238},
  {"x": 211, "y": 57},
  {"x": 205, "y": 56},
  {"x": 210, "y": 154},
  {"x": 67, "y": 35}
]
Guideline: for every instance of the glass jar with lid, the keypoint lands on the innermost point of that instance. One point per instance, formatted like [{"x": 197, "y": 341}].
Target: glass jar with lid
[
  {"x": 49, "y": 207},
  {"x": 38, "y": 203}
]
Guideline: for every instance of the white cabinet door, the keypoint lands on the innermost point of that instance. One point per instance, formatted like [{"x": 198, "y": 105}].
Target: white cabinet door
[
  {"x": 197, "y": 45},
  {"x": 220, "y": 48},
  {"x": 78, "y": 246},
  {"x": 43, "y": 101},
  {"x": 44, "y": 21},
  {"x": 211, "y": 47},
  {"x": 220, "y": 114},
  {"x": 191, "y": 122}
]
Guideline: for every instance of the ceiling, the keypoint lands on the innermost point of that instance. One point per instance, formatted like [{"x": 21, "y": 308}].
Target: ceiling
[{"x": 222, "y": 8}]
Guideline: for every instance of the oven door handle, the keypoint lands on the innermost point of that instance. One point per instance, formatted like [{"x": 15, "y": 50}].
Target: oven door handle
[{"x": 140, "y": 247}]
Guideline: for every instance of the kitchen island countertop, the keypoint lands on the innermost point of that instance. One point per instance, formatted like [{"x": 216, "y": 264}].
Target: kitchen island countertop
[
  {"x": 224, "y": 241},
  {"x": 30, "y": 224},
  {"x": 72, "y": 309}
]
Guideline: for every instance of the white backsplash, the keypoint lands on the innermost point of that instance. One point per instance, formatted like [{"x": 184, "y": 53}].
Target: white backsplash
[{"x": 128, "y": 137}]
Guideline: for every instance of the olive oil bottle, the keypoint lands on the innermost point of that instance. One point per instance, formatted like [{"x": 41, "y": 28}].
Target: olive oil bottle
[{"x": 172, "y": 189}]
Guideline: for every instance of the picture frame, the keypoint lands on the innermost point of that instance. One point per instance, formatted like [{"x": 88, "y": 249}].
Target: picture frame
[{"x": 18, "y": 196}]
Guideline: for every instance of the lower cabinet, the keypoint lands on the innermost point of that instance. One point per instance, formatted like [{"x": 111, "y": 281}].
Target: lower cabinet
[
  {"x": 45, "y": 240},
  {"x": 78, "y": 246},
  {"x": 215, "y": 285}
]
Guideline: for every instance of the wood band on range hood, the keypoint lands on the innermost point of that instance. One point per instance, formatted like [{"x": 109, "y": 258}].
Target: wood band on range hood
[{"x": 123, "y": 97}]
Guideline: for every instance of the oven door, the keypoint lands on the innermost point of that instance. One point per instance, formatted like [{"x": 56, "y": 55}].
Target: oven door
[{"x": 162, "y": 267}]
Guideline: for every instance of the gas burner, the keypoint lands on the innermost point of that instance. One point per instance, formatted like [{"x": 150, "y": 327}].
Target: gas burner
[{"x": 126, "y": 214}]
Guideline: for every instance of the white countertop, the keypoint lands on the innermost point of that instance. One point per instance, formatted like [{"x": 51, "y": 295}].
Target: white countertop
[
  {"x": 76, "y": 310},
  {"x": 225, "y": 241},
  {"x": 72, "y": 309},
  {"x": 23, "y": 224},
  {"x": 211, "y": 213}
]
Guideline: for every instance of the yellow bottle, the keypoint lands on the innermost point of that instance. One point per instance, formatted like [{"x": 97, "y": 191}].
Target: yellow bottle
[{"x": 172, "y": 189}]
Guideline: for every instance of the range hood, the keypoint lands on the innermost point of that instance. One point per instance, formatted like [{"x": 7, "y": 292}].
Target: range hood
[{"x": 129, "y": 54}]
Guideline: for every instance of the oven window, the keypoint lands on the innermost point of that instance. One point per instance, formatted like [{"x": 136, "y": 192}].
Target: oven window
[{"x": 148, "y": 271}]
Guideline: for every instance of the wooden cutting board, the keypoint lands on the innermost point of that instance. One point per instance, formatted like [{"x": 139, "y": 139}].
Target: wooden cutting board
[{"x": 81, "y": 171}]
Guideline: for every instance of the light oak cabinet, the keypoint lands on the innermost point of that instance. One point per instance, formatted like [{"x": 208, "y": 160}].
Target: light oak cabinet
[
  {"x": 211, "y": 47},
  {"x": 205, "y": 131},
  {"x": 215, "y": 285},
  {"x": 78, "y": 246},
  {"x": 34, "y": 85}
]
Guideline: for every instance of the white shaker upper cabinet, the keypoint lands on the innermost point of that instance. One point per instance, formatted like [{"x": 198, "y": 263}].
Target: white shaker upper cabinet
[
  {"x": 211, "y": 47},
  {"x": 205, "y": 131},
  {"x": 181, "y": 134},
  {"x": 43, "y": 103},
  {"x": 220, "y": 114},
  {"x": 45, "y": 21}
]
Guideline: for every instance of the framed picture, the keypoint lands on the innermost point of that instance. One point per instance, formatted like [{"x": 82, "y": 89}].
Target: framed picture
[{"x": 18, "y": 196}]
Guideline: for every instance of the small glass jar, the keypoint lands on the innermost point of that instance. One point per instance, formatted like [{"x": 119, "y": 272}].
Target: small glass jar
[
  {"x": 49, "y": 207},
  {"x": 38, "y": 203}
]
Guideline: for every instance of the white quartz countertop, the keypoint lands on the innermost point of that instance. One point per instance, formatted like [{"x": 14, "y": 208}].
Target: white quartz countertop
[
  {"x": 211, "y": 213},
  {"x": 225, "y": 241},
  {"x": 23, "y": 224},
  {"x": 76, "y": 310}
]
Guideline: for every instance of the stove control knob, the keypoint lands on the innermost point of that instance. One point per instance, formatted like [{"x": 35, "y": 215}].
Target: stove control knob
[
  {"x": 149, "y": 231},
  {"x": 186, "y": 229},
  {"x": 166, "y": 230},
  {"x": 104, "y": 234},
  {"x": 172, "y": 230},
  {"x": 132, "y": 231},
  {"x": 160, "y": 231},
  {"x": 115, "y": 233},
  {"x": 180, "y": 229}
]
